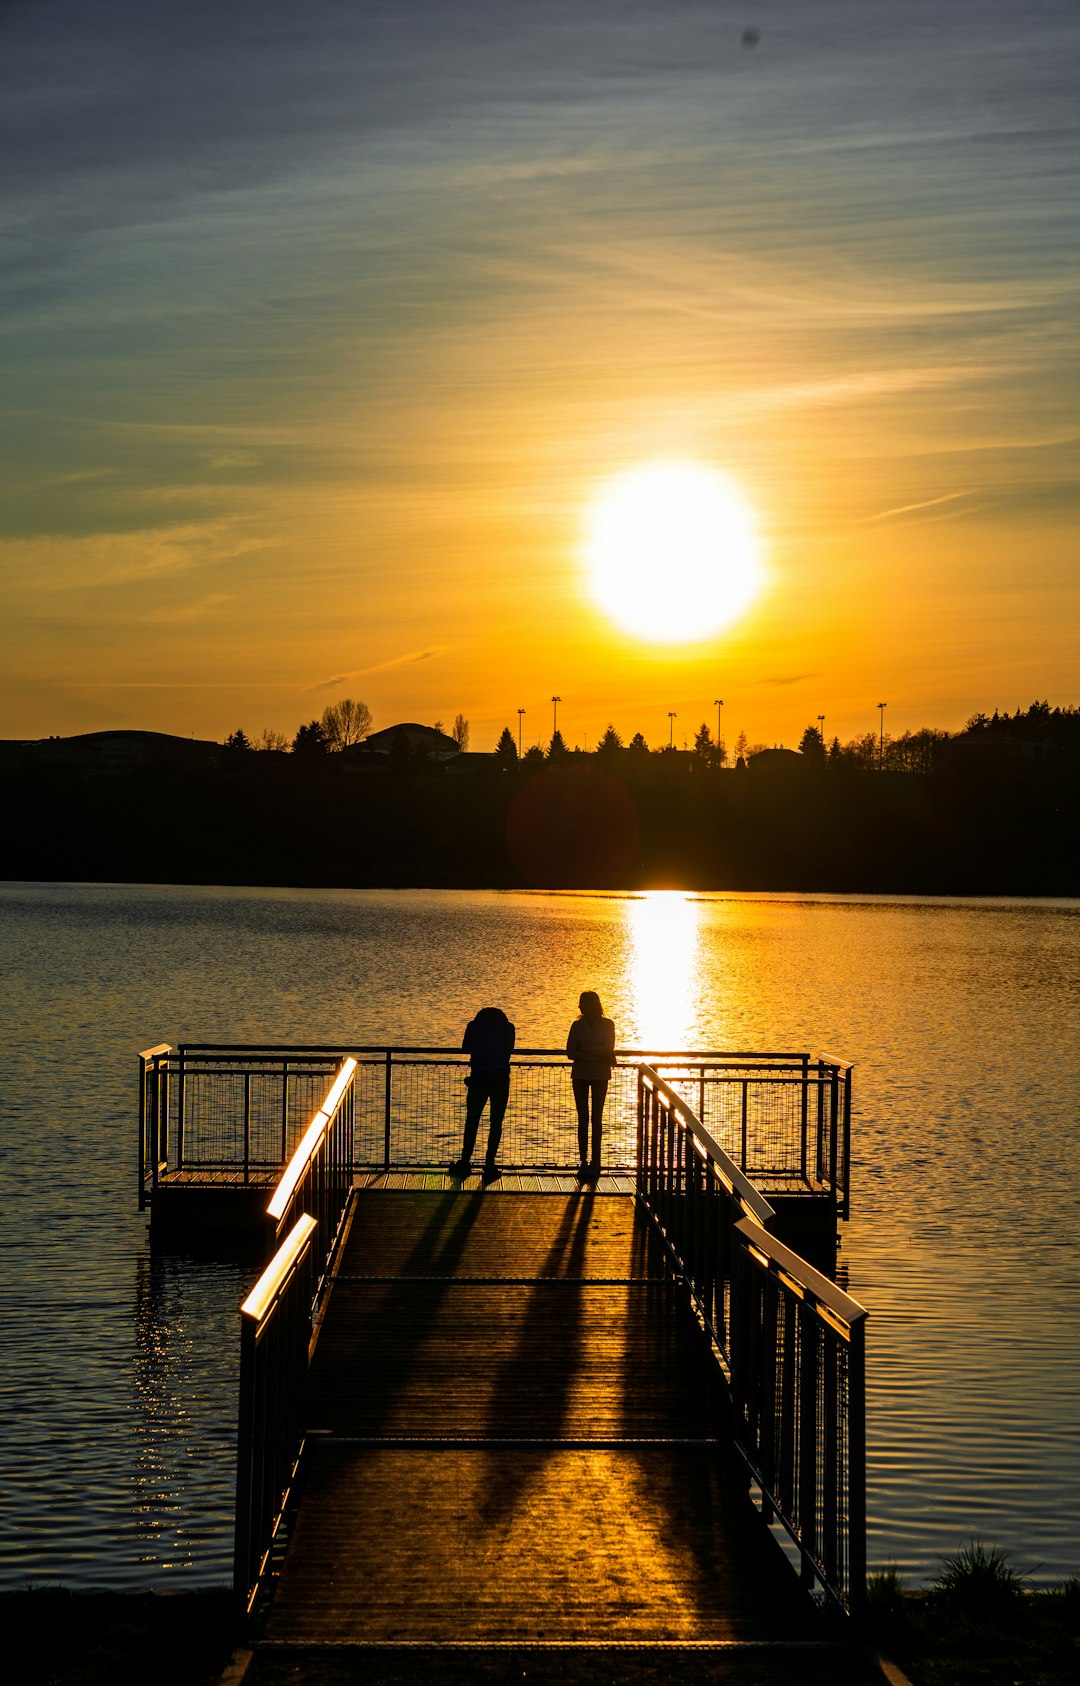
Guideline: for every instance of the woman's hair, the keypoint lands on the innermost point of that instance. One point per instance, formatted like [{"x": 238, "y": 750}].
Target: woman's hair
[{"x": 590, "y": 1005}]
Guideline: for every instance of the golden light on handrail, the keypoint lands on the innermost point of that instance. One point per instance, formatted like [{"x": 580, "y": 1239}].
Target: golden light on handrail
[
  {"x": 753, "y": 1202},
  {"x": 837, "y": 1308},
  {"x": 309, "y": 1141},
  {"x": 338, "y": 1088},
  {"x": 262, "y": 1295}
]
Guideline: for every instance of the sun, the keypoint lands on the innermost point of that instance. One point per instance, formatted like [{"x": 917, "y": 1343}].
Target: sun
[{"x": 672, "y": 552}]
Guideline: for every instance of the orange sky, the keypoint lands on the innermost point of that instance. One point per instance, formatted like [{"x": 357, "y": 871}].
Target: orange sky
[{"x": 309, "y": 397}]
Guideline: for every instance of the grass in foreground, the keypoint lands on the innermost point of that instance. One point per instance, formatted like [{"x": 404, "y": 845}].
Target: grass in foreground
[
  {"x": 978, "y": 1624},
  {"x": 55, "y": 1637}
]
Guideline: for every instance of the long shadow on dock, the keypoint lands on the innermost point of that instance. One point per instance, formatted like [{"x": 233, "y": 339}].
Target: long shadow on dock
[{"x": 524, "y": 1445}]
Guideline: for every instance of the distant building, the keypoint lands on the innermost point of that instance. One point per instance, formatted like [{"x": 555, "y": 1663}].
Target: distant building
[
  {"x": 779, "y": 764},
  {"x": 95, "y": 751},
  {"x": 421, "y": 740}
]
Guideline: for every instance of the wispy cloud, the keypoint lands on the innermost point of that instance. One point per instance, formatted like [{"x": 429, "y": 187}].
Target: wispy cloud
[
  {"x": 230, "y": 459},
  {"x": 409, "y": 659},
  {"x": 913, "y": 508}
]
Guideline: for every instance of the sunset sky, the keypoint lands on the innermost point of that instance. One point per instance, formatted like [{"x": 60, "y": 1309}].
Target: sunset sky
[{"x": 324, "y": 323}]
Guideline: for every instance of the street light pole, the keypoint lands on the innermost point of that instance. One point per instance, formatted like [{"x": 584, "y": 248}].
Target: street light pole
[
  {"x": 555, "y": 701},
  {"x": 718, "y": 703},
  {"x": 821, "y": 729},
  {"x": 521, "y": 711},
  {"x": 671, "y": 728},
  {"x": 881, "y": 735}
]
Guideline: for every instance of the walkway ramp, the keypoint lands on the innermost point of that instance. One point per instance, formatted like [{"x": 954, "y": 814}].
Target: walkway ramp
[{"x": 516, "y": 1438}]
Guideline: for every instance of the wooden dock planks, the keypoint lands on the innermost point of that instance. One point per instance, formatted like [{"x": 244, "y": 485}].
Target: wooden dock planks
[{"x": 518, "y": 1438}]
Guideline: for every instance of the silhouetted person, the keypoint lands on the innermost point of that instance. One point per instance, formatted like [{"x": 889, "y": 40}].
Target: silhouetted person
[
  {"x": 489, "y": 1042},
  {"x": 591, "y": 1047}
]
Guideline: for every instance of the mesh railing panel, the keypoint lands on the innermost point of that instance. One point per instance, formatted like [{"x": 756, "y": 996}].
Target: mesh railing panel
[
  {"x": 223, "y": 1117},
  {"x": 796, "y": 1407},
  {"x": 227, "y": 1113}
]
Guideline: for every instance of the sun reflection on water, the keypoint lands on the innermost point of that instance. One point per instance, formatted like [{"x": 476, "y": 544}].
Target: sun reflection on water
[{"x": 665, "y": 973}]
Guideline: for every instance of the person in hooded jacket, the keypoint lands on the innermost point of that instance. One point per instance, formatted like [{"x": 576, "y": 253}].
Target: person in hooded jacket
[{"x": 489, "y": 1042}]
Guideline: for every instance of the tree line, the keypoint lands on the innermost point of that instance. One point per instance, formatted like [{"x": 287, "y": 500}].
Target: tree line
[
  {"x": 340, "y": 725},
  {"x": 349, "y": 721}
]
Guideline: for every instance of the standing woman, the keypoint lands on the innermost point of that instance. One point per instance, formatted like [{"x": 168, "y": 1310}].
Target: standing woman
[{"x": 591, "y": 1047}]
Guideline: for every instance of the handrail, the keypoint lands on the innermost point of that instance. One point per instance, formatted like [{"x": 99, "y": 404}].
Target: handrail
[
  {"x": 798, "y": 1388},
  {"x": 275, "y": 1333},
  {"x": 736, "y": 1183},
  {"x": 741, "y": 1057},
  {"x": 771, "y": 1251},
  {"x": 318, "y": 1177},
  {"x": 310, "y": 1142},
  {"x": 276, "y": 1275}
]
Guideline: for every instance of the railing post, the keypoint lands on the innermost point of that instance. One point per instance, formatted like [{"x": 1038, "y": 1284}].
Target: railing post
[
  {"x": 819, "y": 1172},
  {"x": 846, "y": 1139},
  {"x": 743, "y": 1125},
  {"x": 181, "y": 1092},
  {"x": 809, "y": 1353},
  {"x": 247, "y": 1126},
  {"x": 804, "y": 1113},
  {"x": 245, "y": 1453},
  {"x": 284, "y": 1111},
  {"x": 387, "y": 1091},
  {"x": 856, "y": 1496}
]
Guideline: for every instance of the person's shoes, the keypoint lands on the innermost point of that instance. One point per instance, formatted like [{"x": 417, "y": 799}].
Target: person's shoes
[
  {"x": 460, "y": 1168},
  {"x": 491, "y": 1174},
  {"x": 582, "y": 1172},
  {"x": 594, "y": 1171}
]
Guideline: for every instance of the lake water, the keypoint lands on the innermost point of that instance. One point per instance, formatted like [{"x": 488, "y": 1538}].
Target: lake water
[{"x": 963, "y": 1018}]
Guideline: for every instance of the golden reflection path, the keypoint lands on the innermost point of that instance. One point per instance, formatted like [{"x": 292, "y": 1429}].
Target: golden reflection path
[{"x": 666, "y": 974}]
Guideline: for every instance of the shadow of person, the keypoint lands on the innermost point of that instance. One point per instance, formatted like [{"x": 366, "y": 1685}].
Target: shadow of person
[
  {"x": 533, "y": 1391},
  {"x": 366, "y": 1360}
]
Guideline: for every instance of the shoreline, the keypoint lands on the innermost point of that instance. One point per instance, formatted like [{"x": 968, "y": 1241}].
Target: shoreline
[{"x": 64, "y": 1637}]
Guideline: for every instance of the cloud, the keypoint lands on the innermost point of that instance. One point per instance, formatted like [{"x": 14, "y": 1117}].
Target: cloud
[
  {"x": 58, "y": 564},
  {"x": 230, "y": 459},
  {"x": 409, "y": 659},
  {"x": 912, "y": 508}
]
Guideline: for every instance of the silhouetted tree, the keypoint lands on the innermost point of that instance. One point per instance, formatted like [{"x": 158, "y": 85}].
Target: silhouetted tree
[
  {"x": 704, "y": 748},
  {"x": 742, "y": 747},
  {"x": 533, "y": 759},
  {"x": 310, "y": 739},
  {"x": 637, "y": 745},
  {"x": 269, "y": 739},
  {"x": 610, "y": 745},
  {"x": 812, "y": 745},
  {"x": 345, "y": 723},
  {"x": 557, "y": 749},
  {"x": 460, "y": 733},
  {"x": 506, "y": 749},
  {"x": 238, "y": 740}
]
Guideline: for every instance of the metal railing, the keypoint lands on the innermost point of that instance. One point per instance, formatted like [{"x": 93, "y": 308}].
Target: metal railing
[
  {"x": 226, "y": 1114},
  {"x": 791, "y": 1342},
  {"x": 694, "y": 1192},
  {"x": 318, "y": 1178},
  {"x": 236, "y": 1114},
  {"x": 783, "y": 1119},
  {"x": 276, "y": 1323},
  {"x": 798, "y": 1384},
  {"x": 275, "y": 1334}
]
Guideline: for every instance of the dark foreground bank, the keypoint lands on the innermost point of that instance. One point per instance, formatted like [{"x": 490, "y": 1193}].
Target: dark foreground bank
[{"x": 61, "y": 1638}]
